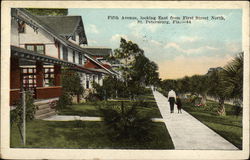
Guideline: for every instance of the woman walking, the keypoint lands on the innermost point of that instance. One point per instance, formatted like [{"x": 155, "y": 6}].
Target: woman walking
[{"x": 171, "y": 100}]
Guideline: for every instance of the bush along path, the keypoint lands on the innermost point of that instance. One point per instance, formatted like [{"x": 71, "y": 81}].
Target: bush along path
[{"x": 187, "y": 132}]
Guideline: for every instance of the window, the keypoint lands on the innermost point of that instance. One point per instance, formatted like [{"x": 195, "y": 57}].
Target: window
[
  {"x": 30, "y": 47},
  {"x": 28, "y": 78},
  {"x": 74, "y": 56},
  {"x": 39, "y": 48},
  {"x": 49, "y": 76},
  {"x": 65, "y": 53},
  {"x": 80, "y": 58}
]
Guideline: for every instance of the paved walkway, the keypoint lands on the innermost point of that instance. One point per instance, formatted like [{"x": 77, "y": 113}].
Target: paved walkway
[
  {"x": 187, "y": 132},
  {"x": 71, "y": 118}
]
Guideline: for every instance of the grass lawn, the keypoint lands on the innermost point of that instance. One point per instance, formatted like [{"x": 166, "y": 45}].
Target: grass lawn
[
  {"x": 79, "y": 134},
  {"x": 91, "y": 108},
  {"x": 229, "y": 126}
]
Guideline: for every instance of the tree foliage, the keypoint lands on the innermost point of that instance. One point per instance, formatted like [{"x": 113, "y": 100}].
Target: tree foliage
[
  {"x": 138, "y": 71},
  {"x": 126, "y": 123},
  {"x": 220, "y": 83},
  {"x": 71, "y": 86},
  {"x": 136, "y": 66},
  {"x": 111, "y": 88},
  {"x": 233, "y": 77},
  {"x": 71, "y": 82},
  {"x": 16, "y": 115},
  {"x": 144, "y": 70}
]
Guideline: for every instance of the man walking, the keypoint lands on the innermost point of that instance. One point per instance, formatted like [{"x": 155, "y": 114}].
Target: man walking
[{"x": 171, "y": 99}]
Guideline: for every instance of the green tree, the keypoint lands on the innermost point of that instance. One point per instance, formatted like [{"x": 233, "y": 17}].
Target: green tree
[
  {"x": 48, "y": 11},
  {"x": 228, "y": 82},
  {"x": 144, "y": 70},
  {"x": 126, "y": 123},
  {"x": 199, "y": 85},
  {"x": 233, "y": 77},
  {"x": 217, "y": 90},
  {"x": 138, "y": 71},
  {"x": 111, "y": 88},
  {"x": 71, "y": 83},
  {"x": 16, "y": 115},
  {"x": 126, "y": 53}
]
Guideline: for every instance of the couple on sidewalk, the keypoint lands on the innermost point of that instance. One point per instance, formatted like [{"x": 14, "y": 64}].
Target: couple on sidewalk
[{"x": 173, "y": 99}]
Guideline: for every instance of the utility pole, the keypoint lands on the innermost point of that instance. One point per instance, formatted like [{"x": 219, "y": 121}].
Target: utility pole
[{"x": 24, "y": 116}]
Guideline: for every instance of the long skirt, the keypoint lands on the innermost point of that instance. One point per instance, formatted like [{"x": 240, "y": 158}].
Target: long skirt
[{"x": 171, "y": 102}]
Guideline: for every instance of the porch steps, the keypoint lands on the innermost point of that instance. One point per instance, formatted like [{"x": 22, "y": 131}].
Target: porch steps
[
  {"x": 45, "y": 115},
  {"x": 44, "y": 110}
]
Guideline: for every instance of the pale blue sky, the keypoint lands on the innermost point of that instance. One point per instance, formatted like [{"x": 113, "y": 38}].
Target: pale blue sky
[{"x": 178, "y": 49}]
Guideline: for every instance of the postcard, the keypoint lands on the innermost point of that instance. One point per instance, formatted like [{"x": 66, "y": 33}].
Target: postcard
[{"x": 125, "y": 80}]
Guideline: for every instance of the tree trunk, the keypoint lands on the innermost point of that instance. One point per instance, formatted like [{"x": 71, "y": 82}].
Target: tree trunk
[
  {"x": 78, "y": 98},
  {"x": 204, "y": 99},
  {"x": 221, "y": 109}
]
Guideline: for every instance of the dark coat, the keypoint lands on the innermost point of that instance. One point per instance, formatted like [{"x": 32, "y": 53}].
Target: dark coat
[
  {"x": 178, "y": 103},
  {"x": 171, "y": 100}
]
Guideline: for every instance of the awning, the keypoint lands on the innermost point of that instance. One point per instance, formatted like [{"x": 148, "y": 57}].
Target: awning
[{"x": 31, "y": 55}]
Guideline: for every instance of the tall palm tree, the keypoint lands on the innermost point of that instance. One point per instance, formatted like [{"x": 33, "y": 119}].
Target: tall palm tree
[
  {"x": 233, "y": 77},
  {"x": 228, "y": 82},
  {"x": 216, "y": 89}
]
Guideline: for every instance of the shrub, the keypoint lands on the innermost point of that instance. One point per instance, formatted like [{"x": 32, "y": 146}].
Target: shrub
[
  {"x": 93, "y": 97},
  {"x": 125, "y": 123},
  {"x": 64, "y": 100},
  {"x": 141, "y": 103},
  {"x": 16, "y": 115}
]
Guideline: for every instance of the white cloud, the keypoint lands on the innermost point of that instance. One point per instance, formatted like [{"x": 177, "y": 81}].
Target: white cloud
[
  {"x": 233, "y": 47},
  {"x": 188, "y": 51},
  {"x": 154, "y": 42},
  {"x": 117, "y": 37},
  {"x": 93, "y": 28},
  {"x": 211, "y": 48},
  {"x": 173, "y": 45},
  {"x": 189, "y": 39}
]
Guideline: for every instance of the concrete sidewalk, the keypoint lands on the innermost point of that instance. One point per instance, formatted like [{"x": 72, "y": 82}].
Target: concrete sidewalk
[
  {"x": 71, "y": 118},
  {"x": 187, "y": 132}
]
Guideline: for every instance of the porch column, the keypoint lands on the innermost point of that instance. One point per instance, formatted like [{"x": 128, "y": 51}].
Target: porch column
[
  {"x": 39, "y": 74},
  {"x": 101, "y": 80},
  {"x": 15, "y": 74},
  {"x": 57, "y": 72}
]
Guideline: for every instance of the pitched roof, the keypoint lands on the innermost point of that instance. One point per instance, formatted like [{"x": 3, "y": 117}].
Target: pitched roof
[
  {"x": 99, "y": 64},
  {"x": 33, "y": 20},
  {"x": 63, "y": 25},
  {"x": 99, "y": 51},
  {"x": 38, "y": 23}
]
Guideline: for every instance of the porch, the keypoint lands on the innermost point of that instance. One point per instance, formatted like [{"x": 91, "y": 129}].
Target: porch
[{"x": 38, "y": 73}]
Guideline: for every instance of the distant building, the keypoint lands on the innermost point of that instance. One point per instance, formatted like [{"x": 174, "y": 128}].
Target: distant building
[{"x": 214, "y": 69}]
